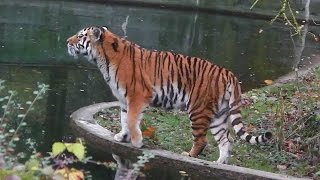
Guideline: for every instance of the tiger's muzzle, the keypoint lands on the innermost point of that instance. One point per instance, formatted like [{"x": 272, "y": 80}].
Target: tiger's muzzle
[{"x": 73, "y": 51}]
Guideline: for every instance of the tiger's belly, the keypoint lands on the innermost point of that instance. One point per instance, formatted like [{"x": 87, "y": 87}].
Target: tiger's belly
[{"x": 169, "y": 98}]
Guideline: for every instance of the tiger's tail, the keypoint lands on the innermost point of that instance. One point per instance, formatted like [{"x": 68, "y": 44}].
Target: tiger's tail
[{"x": 235, "y": 120}]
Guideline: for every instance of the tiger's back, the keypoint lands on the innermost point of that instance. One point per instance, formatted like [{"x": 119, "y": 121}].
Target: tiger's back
[{"x": 139, "y": 77}]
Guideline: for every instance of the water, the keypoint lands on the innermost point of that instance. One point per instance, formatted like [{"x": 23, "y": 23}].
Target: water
[{"x": 33, "y": 49}]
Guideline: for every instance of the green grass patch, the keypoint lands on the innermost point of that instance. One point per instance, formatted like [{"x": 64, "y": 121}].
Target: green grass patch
[{"x": 291, "y": 111}]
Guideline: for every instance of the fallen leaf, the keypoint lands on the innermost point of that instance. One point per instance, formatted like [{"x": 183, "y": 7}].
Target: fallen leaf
[
  {"x": 282, "y": 167},
  {"x": 183, "y": 173},
  {"x": 245, "y": 101},
  {"x": 260, "y": 31},
  {"x": 76, "y": 174},
  {"x": 149, "y": 132},
  {"x": 251, "y": 128},
  {"x": 70, "y": 174},
  {"x": 268, "y": 82}
]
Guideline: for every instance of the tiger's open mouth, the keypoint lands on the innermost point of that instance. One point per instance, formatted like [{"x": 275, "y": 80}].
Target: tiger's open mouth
[{"x": 73, "y": 51}]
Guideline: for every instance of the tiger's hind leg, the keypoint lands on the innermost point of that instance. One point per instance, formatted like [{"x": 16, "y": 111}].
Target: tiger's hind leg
[
  {"x": 123, "y": 135},
  {"x": 200, "y": 121},
  {"x": 220, "y": 130}
]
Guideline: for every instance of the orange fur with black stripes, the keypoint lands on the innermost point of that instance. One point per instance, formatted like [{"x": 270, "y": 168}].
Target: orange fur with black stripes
[{"x": 140, "y": 78}]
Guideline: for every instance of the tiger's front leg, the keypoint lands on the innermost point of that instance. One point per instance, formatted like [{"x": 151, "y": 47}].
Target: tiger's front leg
[
  {"x": 135, "y": 114},
  {"x": 123, "y": 135}
]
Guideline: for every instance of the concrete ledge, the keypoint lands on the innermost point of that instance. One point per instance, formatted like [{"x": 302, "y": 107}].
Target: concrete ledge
[
  {"x": 291, "y": 76},
  {"x": 101, "y": 139}
]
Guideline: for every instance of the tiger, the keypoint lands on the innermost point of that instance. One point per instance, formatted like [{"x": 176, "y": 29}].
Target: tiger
[{"x": 140, "y": 78}]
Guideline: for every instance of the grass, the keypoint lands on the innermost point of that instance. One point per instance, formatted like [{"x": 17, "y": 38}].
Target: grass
[{"x": 291, "y": 111}]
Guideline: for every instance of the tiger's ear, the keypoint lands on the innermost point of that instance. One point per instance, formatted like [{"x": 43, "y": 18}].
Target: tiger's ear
[{"x": 96, "y": 34}]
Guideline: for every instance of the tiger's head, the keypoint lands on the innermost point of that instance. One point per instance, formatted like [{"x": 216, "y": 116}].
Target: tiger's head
[{"x": 82, "y": 43}]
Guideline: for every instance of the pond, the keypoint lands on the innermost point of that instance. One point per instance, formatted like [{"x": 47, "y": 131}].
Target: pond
[{"x": 33, "y": 49}]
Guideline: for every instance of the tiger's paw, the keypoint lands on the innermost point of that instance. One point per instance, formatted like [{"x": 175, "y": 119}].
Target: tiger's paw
[
  {"x": 122, "y": 137},
  {"x": 184, "y": 153},
  {"x": 137, "y": 144},
  {"x": 222, "y": 160}
]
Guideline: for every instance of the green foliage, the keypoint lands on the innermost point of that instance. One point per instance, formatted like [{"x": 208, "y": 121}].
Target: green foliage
[
  {"x": 77, "y": 149},
  {"x": 14, "y": 164},
  {"x": 58, "y": 148},
  {"x": 10, "y": 135},
  {"x": 32, "y": 164},
  {"x": 137, "y": 166},
  {"x": 10, "y": 132},
  {"x": 167, "y": 127},
  {"x": 22, "y": 174},
  {"x": 317, "y": 72},
  {"x": 293, "y": 127},
  {"x": 287, "y": 13}
]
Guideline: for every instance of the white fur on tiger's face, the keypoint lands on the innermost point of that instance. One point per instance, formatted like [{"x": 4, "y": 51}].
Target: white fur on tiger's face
[{"x": 80, "y": 44}]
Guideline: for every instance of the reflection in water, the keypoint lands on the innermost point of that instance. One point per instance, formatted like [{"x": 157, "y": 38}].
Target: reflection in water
[
  {"x": 56, "y": 105},
  {"x": 35, "y": 32},
  {"x": 124, "y": 170},
  {"x": 70, "y": 89}
]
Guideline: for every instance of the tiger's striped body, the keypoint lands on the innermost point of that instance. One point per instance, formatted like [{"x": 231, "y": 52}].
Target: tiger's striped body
[{"x": 139, "y": 78}]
